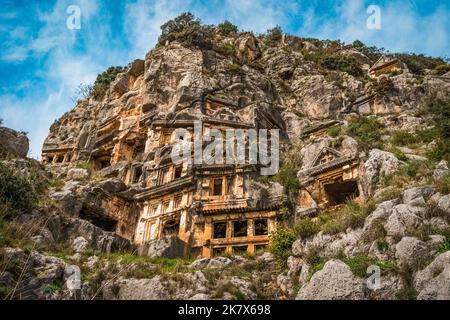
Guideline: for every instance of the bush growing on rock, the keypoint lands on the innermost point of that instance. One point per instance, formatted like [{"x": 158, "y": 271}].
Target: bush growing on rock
[
  {"x": 15, "y": 191},
  {"x": 367, "y": 131},
  {"x": 227, "y": 27},
  {"x": 186, "y": 29},
  {"x": 280, "y": 244},
  {"x": 103, "y": 81}
]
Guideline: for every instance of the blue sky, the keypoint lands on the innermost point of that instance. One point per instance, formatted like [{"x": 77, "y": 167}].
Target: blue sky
[{"x": 42, "y": 61}]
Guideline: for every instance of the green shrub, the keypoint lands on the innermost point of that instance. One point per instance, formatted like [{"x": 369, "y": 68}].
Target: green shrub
[
  {"x": 417, "y": 63},
  {"x": 412, "y": 167},
  {"x": 234, "y": 68},
  {"x": 306, "y": 228},
  {"x": 444, "y": 246},
  {"x": 382, "y": 245},
  {"x": 52, "y": 288},
  {"x": 280, "y": 244},
  {"x": 367, "y": 131},
  {"x": 383, "y": 85},
  {"x": 352, "y": 215},
  {"x": 84, "y": 165},
  {"x": 227, "y": 27},
  {"x": 427, "y": 135},
  {"x": 403, "y": 138},
  {"x": 103, "y": 81},
  {"x": 315, "y": 268},
  {"x": 359, "y": 264},
  {"x": 443, "y": 184},
  {"x": 441, "y": 69},
  {"x": 227, "y": 49},
  {"x": 334, "y": 131},
  {"x": 16, "y": 192},
  {"x": 407, "y": 293},
  {"x": 274, "y": 34},
  {"x": 186, "y": 29}
]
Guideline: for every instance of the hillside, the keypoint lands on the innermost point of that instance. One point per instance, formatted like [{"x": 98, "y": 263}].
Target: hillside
[{"x": 363, "y": 182}]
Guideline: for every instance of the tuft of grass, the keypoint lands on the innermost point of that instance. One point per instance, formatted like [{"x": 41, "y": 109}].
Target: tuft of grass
[
  {"x": 445, "y": 246},
  {"x": 382, "y": 245},
  {"x": 334, "y": 131},
  {"x": 53, "y": 288},
  {"x": 315, "y": 268},
  {"x": 358, "y": 265}
]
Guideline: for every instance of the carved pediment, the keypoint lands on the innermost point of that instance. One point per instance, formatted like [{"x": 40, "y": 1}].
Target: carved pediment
[
  {"x": 226, "y": 114},
  {"x": 325, "y": 155}
]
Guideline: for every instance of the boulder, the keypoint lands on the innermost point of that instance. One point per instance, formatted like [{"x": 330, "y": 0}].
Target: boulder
[
  {"x": 411, "y": 252},
  {"x": 13, "y": 144},
  {"x": 378, "y": 164},
  {"x": 412, "y": 194},
  {"x": 284, "y": 282},
  {"x": 138, "y": 289},
  {"x": 441, "y": 170},
  {"x": 295, "y": 266},
  {"x": 167, "y": 247},
  {"x": 219, "y": 262},
  {"x": 379, "y": 215},
  {"x": 404, "y": 218},
  {"x": 77, "y": 174},
  {"x": 423, "y": 277},
  {"x": 334, "y": 282},
  {"x": 79, "y": 244},
  {"x": 444, "y": 204},
  {"x": 37, "y": 273}
]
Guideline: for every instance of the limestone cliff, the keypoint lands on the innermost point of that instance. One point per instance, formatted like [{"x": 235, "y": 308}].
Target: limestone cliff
[{"x": 363, "y": 179}]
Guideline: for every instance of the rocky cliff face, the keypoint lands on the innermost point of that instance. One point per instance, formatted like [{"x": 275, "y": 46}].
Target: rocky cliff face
[{"x": 363, "y": 168}]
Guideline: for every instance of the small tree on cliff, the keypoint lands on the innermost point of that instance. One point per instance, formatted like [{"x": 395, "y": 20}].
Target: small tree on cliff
[{"x": 186, "y": 29}]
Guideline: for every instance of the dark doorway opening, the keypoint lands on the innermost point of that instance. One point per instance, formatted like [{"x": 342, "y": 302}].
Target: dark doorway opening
[
  {"x": 98, "y": 220},
  {"x": 171, "y": 228},
  {"x": 341, "y": 192}
]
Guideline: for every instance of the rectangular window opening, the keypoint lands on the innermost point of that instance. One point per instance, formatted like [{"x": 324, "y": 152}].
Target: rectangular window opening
[
  {"x": 240, "y": 228},
  {"x": 219, "y": 230}
]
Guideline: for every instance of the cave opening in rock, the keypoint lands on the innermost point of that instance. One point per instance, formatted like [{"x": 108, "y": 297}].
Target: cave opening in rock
[
  {"x": 341, "y": 192},
  {"x": 99, "y": 220}
]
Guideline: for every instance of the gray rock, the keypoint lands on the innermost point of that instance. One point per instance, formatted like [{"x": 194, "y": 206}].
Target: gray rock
[
  {"x": 13, "y": 143},
  {"x": 444, "y": 204},
  {"x": 199, "y": 263},
  {"x": 168, "y": 247},
  {"x": 200, "y": 296},
  {"x": 433, "y": 282},
  {"x": 378, "y": 164},
  {"x": 411, "y": 252},
  {"x": 219, "y": 262},
  {"x": 434, "y": 268},
  {"x": 441, "y": 170},
  {"x": 297, "y": 248},
  {"x": 79, "y": 244},
  {"x": 77, "y": 174},
  {"x": 138, "y": 289},
  {"x": 91, "y": 262},
  {"x": 284, "y": 282},
  {"x": 334, "y": 282},
  {"x": 417, "y": 192},
  {"x": 404, "y": 218},
  {"x": 295, "y": 266}
]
